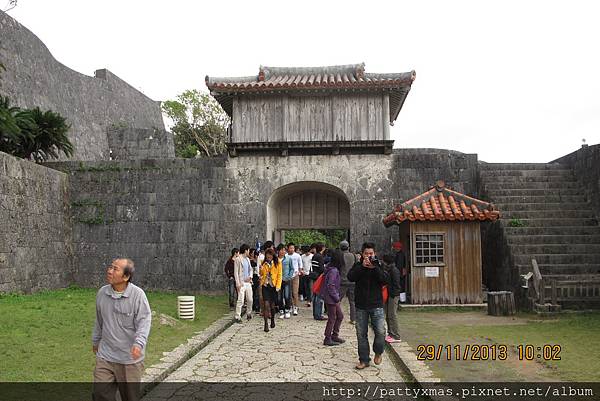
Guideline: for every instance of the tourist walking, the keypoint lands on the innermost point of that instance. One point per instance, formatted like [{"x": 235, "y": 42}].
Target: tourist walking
[
  {"x": 255, "y": 279},
  {"x": 391, "y": 306},
  {"x": 369, "y": 277},
  {"x": 260, "y": 259},
  {"x": 318, "y": 266},
  {"x": 283, "y": 300},
  {"x": 295, "y": 262},
  {"x": 347, "y": 287},
  {"x": 231, "y": 289},
  {"x": 121, "y": 330},
  {"x": 286, "y": 286},
  {"x": 270, "y": 285},
  {"x": 400, "y": 261},
  {"x": 305, "y": 281},
  {"x": 330, "y": 291},
  {"x": 243, "y": 281}
]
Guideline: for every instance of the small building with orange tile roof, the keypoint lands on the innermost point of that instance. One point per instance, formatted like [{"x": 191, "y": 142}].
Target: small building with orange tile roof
[{"x": 443, "y": 227}]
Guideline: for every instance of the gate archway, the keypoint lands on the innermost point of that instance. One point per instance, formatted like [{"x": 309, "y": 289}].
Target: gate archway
[{"x": 306, "y": 205}]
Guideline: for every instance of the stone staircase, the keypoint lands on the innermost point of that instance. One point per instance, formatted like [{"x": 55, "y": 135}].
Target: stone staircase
[{"x": 559, "y": 227}]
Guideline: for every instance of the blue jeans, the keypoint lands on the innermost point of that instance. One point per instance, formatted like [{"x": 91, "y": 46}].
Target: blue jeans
[
  {"x": 285, "y": 296},
  {"x": 377, "y": 317},
  {"x": 317, "y": 306},
  {"x": 232, "y": 290}
]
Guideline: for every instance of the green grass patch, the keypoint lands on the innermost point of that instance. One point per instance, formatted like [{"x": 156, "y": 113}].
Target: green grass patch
[
  {"x": 577, "y": 334},
  {"x": 47, "y": 336}
]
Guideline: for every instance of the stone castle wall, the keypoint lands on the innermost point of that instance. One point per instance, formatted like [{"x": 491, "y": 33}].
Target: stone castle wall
[
  {"x": 178, "y": 219},
  {"x": 35, "y": 227},
  {"x": 92, "y": 105}
]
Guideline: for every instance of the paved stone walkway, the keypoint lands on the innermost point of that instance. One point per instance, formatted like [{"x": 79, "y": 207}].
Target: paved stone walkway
[{"x": 291, "y": 352}]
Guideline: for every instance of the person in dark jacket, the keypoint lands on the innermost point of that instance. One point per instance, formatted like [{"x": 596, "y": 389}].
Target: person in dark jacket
[
  {"x": 231, "y": 280},
  {"x": 347, "y": 288},
  {"x": 369, "y": 276},
  {"x": 400, "y": 262},
  {"x": 391, "y": 306},
  {"x": 330, "y": 291}
]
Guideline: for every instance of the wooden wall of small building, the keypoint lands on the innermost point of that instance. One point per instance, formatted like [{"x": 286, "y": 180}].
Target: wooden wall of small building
[
  {"x": 348, "y": 117},
  {"x": 459, "y": 281}
]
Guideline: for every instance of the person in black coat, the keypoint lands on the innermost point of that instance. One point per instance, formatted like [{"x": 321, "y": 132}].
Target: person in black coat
[
  {"x": 391, "y": 306},
  {"x": 369, "y": 278}
]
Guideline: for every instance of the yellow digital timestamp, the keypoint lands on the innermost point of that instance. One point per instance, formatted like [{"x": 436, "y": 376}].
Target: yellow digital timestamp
[{"x": 486, "y": 352}]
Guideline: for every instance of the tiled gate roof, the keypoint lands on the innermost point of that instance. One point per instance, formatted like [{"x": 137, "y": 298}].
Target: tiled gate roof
[{"x": 350, "y": 77}]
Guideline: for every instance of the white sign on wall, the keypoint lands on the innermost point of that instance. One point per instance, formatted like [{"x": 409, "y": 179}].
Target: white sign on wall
[{"x": 432, "y": 271}]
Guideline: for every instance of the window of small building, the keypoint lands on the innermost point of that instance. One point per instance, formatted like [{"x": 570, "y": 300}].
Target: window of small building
[{"x": 429, "y": 249}]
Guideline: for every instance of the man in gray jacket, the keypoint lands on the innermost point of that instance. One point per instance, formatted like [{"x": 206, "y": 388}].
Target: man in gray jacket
[
  {"x": 347, "y": 287},
  {"x": 121, "y": 330}
]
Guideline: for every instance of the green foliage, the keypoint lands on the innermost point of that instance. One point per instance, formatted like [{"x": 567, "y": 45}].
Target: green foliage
[
  {"x": 47, "y": 336},
  {"x": 516, "y": 223},
  {"x": 331, "y": 238},
  {"x": 198, "y": 121},
  {"x": 33, "y": 134}
]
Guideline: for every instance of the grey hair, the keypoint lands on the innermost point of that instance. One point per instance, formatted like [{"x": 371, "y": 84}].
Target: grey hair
[{"x": 129, "y": 268}]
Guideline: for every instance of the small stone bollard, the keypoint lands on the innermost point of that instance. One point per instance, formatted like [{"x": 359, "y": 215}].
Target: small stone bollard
[{"x": 186, "y": 307}]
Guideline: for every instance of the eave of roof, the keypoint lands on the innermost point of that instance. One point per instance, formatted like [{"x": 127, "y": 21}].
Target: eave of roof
[
  {"x": 442, "y": 204},
  {"x": 342, "y": 78}
]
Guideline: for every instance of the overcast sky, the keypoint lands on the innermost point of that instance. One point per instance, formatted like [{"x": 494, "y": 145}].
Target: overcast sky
[{"x": 514, "y": 81}]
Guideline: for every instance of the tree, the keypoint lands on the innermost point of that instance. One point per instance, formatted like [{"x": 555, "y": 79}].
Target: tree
[
  {"x": 33, "y": 134},
  {"x": 199, "y": 124},
  {"x": 331, "y": 238}
]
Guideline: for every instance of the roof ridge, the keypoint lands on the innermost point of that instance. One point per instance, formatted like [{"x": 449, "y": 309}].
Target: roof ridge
[{"x": 357, "y": 70}]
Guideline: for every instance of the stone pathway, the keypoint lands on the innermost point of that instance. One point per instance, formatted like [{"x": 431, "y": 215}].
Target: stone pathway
[{"x": 291, "y": 352}]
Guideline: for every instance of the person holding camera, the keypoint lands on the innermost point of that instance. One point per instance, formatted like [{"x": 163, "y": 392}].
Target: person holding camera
[{"x": 369, "y": 278}]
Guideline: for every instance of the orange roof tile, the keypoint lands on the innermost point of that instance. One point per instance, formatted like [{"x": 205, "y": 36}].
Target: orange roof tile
[{"x": 440, "y": 203}]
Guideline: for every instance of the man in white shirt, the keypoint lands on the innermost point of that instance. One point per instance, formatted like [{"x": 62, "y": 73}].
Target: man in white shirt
[
  {"x": 295, "y": 261},
  {"x": 243, "y": 280},
  {"x": 304, "y": 279}
]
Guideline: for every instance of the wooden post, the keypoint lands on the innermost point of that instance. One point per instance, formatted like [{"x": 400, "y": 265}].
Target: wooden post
[
  {"x": 501, "y": 303},
  {"x": 553, "y": 293}
]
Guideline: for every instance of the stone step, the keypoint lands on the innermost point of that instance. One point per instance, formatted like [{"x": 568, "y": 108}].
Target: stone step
[
  {"x": 555, "y": 249},
  {"x": 522, "y": 166},
  {"x": 491, "y": 186},
  {"x": 538, "y": 199},
  {"x": 561, "y": 258},
  {"x": 553, "y": 222},
  {"x": 535, "y": 195},
  {"x": 563, "y": 230},
  {"x": 515, "y": 207},
  {"x": 553, "y": 239},
  {"x": 511, "y": 179},
  {"x": 487, "y": 174},
  {"x": 560, "y": 269},
  {"x": 547, "y": 214}
]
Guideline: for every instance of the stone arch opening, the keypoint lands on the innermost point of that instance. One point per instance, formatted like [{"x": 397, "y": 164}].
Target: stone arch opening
[{"x": 309, "y": 205}]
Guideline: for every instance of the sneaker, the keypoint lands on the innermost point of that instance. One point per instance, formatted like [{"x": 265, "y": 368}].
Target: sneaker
[
  {"x": 308, "y": 304},
  {"x": 390, "y": 340},
  {"x": 329, "y": 342},
  {"x": 272, "y": 323},
  {"x": 338, "y": 340},
  {"x": 287, "y": 315},
  {"x": 301, "y": 298},
  {"x": 295, "y": 311},
  {"x": 281, "y": 315}
]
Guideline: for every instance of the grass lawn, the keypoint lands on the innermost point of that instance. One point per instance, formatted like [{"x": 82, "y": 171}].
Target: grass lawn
[
  {"x": 577, "y": 334},
  {"x": 47, "y": 336}
]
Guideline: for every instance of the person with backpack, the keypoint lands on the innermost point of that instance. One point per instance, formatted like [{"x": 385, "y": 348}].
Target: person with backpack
[
  {"x": 391, "y": 306},
  {"x": 330, "y": 292}
]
